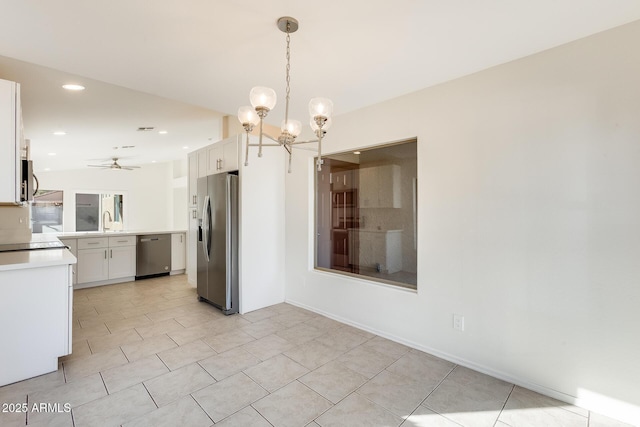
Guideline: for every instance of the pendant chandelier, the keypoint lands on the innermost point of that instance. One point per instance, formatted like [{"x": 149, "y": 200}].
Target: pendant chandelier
[{"x": 263, "y": 99}]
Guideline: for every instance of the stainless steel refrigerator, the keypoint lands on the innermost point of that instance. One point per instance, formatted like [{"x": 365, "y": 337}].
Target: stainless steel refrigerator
[{"x": 218, "y": 241}]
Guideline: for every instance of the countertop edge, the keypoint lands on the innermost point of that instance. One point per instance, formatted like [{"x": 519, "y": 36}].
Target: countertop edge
[
  {"x": 92, "y": 234},
  {"x": 22, "y": 260}
]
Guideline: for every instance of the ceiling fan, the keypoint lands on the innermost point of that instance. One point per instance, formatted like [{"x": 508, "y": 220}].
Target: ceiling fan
[{"x": 115, "y": 166}]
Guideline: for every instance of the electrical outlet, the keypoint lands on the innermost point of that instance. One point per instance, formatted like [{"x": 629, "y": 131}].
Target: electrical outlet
[{"x": 458, "y": 322}]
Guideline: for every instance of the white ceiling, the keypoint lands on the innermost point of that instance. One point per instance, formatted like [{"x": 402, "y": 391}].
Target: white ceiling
[{"x": 208, "y": 54}]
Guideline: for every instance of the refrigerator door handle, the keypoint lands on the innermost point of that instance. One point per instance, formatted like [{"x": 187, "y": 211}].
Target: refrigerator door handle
[
  {"x": 229, "y": 260},
  {"x": 206, "y": 226}
]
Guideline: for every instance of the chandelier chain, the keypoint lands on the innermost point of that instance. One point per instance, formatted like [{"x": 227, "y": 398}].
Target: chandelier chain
[{"x": 288, "y": 78}]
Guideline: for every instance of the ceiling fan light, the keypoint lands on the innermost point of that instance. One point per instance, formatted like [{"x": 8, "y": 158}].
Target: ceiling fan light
[
  {"x": 263, "y": 97},
  {"x": 293, "y": 127},
  {"x": 320, "y": 107},
  {"x": 247, "y": 115}
]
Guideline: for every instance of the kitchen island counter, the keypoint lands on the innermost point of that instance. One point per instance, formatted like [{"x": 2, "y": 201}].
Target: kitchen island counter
[
  {"x": 36, "y": 305},
  {"x": 36, "y": 258}
]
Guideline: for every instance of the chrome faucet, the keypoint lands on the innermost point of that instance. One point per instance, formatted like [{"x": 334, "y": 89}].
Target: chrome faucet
[{"x": 104, "y": 227}]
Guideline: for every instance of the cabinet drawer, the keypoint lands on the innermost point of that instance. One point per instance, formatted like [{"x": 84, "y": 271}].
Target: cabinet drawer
[
  {"x": 96, "y": 242},
  {"x": 115, "y": 241}
]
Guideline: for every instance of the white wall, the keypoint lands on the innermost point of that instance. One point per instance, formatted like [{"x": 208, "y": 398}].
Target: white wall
[
  {"x": 148, "y": 193},
  {"x": 262, "y": 229},
  {"x": 529, "y": 223}
]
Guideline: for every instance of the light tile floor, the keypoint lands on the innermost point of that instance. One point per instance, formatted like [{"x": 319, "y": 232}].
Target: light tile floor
[{"x": 147, "y": 353}]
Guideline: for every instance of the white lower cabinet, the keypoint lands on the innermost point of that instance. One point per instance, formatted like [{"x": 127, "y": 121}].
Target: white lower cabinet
[
  {"x": 178, "y": 251},
  {"x": 93, "y": 265},
  {"x": 36, "y": 315},
  {"x": 106, "y": 258},
  {"x": 122, "y": 262},
  {"x": 122, "y": 257}
]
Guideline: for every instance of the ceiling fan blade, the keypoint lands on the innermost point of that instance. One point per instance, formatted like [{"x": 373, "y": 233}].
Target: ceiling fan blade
[{"x": 99, "y": 166}]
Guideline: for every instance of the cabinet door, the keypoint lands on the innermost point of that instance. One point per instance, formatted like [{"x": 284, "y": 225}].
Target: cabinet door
[
  {"x": 193, "y": 179},
  {"x": 337, "y": 179},
  {"x": 122, "y": 262},
  {"x": 9, "y": 141},
  {"x": 388, "y": 178},
  {"x": 230, "y": 156},
  {"x": 214, "y": 154},
  {"x": 368, "y": 194},
  {"x": 178, "y": 251},
  {"x": 93, "y": 265},
  {"x": 203, "y": 162}
]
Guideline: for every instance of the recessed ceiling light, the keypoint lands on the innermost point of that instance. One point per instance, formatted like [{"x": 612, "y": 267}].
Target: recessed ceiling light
[
  {"x": 52, "y": 154},
  {"x": 185, "y": 148},
  {"x": 60, "y": 133},
  {"x": 356, "y": 152},
  {"x": 73, "y": 87},
  {"x": 47, "y": 169},
  {"x": 153, "y": 161},
  {"x": 162, "y": 132}
]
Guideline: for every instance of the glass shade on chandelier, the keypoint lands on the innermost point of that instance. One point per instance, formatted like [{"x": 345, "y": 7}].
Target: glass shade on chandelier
[
  {"x": 263, "y": 100},
  {"x": 320, "y": 107},
  {"x": 292, "y": 127},
  {"x": 248, "y": 115}
]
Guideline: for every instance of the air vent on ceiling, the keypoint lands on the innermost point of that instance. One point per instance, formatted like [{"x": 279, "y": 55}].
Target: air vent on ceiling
[{"x": 145, "y": 129}]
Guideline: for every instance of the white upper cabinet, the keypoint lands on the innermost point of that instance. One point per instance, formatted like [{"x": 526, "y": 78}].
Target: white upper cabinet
[
  {"x": 223, "y": 156},
  {"x": 379, "y": 187},
  {"x": 193, "y": 179},
  {"x": 10, "y": 142},
  {"x": 343, "y": 180},
  {"x": 203, "y": 160}
]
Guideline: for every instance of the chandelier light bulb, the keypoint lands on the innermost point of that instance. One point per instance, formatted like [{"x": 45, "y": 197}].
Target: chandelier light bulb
[
  {"x": 293, "y": 127},
  {"x": 247, "y": 115},
  {"x": 321, "y": 107},
  {"x": 263, "y": 97}
]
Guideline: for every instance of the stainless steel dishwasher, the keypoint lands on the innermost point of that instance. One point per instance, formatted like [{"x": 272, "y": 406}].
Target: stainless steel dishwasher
[{"x": 153, "y": 255}]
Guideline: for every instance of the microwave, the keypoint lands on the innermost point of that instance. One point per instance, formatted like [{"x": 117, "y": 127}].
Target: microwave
[{"x": 27, "y": 188}]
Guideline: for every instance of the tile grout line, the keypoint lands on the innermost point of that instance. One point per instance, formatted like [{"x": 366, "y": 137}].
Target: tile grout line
[
  {"x": 149, "y": 393},
  {"x": 260, "y": 413},
  {"x": 200, "y": 406},
  {"x": 513, "y": 387},
  {"x": 431, "y": 392},
  {"x": 104, "y": 384}
]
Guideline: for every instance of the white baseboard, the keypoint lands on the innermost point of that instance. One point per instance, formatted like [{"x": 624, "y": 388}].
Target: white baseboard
[
  {"x": 613, "y": 408},
  {"x": 103, "y": 282}
]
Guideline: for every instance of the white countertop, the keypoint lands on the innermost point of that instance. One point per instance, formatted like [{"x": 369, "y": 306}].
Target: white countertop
[
  {"x": 82, "y": 234},
  {"x": 38, "y": 258}
]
